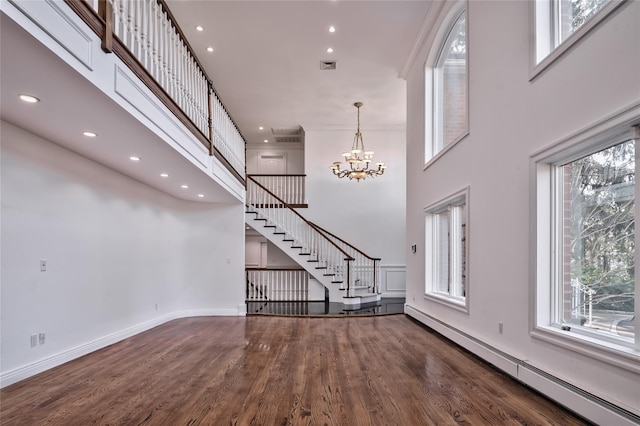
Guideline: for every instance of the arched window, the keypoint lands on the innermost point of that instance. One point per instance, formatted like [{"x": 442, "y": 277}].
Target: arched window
[{"x": 446, "y": 81}]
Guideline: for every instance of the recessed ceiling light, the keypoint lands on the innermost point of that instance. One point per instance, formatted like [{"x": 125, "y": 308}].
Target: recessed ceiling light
[
  {"x": 199, "y": 28},
  {"x": 164, "y": 175},
  {"x": 90, "y": 134},
  {"x": 201, "y": 195},
  {"x": 330, "y": 50},
  {"x": 260, "y": 128},
  {"x": 332, "y": 29},
  {"x": 266, "y": 140},
  {"x": 134, "y": 158},
  {"x": 184, "y": 186},
  {"x": 30, "y": 99},
  {"x": 209, "y": 49}
]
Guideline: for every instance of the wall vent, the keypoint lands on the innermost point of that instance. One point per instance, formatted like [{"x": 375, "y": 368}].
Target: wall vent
[
  {"x": 327, "y": 65},
  {"x": 288, "y": 135}
]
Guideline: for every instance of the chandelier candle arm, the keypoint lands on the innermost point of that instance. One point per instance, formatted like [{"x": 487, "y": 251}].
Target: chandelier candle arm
[{"x": 358, "y": 159}]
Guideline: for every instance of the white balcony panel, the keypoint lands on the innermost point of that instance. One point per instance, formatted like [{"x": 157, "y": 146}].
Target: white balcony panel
[{"x": 62, "y": 25}]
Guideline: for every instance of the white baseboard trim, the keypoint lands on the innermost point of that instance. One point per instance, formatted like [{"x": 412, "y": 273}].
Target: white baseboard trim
[
  {"x": 392, "y": 295},
  {"x": 13, "y": 376},
  {"x": 240, "y": 311},
  {"x": 589, "y": 406}
]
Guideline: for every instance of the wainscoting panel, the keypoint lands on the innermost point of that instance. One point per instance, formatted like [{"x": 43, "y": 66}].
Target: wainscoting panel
[
  {"x": 132, "y": 90},
  {"x": 61, "y": 24},
  {"x": 393, "y": 280}
]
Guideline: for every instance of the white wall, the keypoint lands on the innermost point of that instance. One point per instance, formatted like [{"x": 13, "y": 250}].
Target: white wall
[
  {"x": 511, "y": 118},
  {"x": 369, "y": 214},
  {"x": 275, "y": 257},
  {"x": 114, "y": 249},
  {"x": 294, "y": 157},
  {"x": 253, "y": 250}
]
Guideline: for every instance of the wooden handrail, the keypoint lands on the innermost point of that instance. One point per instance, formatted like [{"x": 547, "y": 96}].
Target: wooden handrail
[
  {"x": 279, "y": 200},
  {"x": 321, "y": 229},
  {"x": 102, "y": 27},
  {"x": 293, "y": 268},
  {"x": 173, "y": 20},
  {"x": 284, "y": 175},
  {"x": 289, "y": 187}
]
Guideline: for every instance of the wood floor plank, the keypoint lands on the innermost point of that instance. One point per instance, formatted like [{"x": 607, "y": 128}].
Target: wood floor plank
[{"x": 384, "y": 370}]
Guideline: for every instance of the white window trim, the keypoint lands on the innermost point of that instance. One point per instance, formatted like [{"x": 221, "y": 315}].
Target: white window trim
[
  {"x": 543, "y": 50},
  {"x": 616, "y": 127},
  {"x": 431, "y": 293},
  {"x": 434, "y": 53}
]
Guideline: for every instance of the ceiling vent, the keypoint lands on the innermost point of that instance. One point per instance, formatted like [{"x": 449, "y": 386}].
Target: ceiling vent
[
  {"x": 327, "y": 65},
  {"x": 288, "y": 135}
]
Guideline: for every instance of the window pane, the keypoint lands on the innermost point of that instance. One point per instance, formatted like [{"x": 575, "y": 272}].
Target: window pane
[
  {"x": 442, "y": 266},
  {"x": 463, "y": 252},
  {"x": 573, "y": 14},
  {"x": 450, "y": 94},
  {"x": 598, "y": 241}
]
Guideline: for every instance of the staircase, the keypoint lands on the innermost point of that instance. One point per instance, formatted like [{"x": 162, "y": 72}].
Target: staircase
[{"x": 350, "y": 275}]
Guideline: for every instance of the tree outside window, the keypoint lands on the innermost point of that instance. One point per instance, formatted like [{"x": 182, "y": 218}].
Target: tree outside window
[
  {"x": 574, "y": 13},
  {"x": 598, "y": 235}
]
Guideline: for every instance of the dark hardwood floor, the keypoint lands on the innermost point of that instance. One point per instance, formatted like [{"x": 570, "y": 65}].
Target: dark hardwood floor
[{"x": 385, "y": 370}]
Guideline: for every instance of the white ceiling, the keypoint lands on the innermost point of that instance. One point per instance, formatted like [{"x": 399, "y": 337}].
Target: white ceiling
[
  {"x": 70, "y": 105},
  {"x": 266, "y": 59},
  {"x": 265, "y": 66}
]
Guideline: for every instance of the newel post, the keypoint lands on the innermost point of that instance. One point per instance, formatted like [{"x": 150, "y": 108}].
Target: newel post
[
  {"x": 105, "y": 10},
  {"x": 349, "y": 277},
  {"x": 210, "y": 113},
  {"x": 376, "y": 287}
]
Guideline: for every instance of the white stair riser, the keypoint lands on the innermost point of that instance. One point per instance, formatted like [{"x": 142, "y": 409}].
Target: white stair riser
[{"x": 336, "y": 292}]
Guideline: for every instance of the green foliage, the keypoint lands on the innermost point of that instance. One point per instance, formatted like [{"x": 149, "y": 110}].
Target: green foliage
[{"x": 603, "y": 225}]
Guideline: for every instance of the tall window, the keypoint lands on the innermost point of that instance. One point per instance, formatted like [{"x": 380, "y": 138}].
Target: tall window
[
  {"x": 446, "y": 88},
  {"x": 446, "y": 253},
  {"x": 585, "y": 242},
  {"x": 572, "y": 14},
  {"x": 556, "y": 21},
  {"x": 596, "y": 286}
]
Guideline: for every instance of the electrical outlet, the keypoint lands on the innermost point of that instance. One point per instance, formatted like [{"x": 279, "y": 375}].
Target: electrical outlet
[
  {"x": 41, "y": 338},
  {"x": 156, "y": 306},
  {"x": 500, "y": 327},
  {"x": 34, "y": 340},
  {"x": 43, "y": 265}
]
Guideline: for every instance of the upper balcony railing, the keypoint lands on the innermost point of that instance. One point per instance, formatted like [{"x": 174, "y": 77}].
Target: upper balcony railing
[
  {"x": 145, "y": 35},
  {"x": 289, "y": 188}
]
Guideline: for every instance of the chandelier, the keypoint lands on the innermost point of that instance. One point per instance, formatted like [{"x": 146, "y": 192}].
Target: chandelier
[{"x": 358, "y": 160}]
